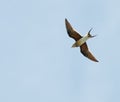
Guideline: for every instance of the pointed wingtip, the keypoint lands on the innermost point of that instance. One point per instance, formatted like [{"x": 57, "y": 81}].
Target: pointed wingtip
[
  {"x": 96, "y": 61},
  {"x": 66, "y": 20},
  {"x": 92, "y": 58},
  {"x": 89, "y": 55}
]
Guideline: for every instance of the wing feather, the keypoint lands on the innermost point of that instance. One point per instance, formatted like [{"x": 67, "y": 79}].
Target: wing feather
[
  {"x": 71, "y": 32},
  {"x": 85, "y": 51}
]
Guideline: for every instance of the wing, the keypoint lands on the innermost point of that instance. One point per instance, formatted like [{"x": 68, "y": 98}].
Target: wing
[
  {"x": 85, "y": 51},
  {"x": 71, "y": 32}
]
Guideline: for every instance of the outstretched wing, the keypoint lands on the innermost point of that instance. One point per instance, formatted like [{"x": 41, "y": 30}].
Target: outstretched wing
[
  {"x": 71, "y": 32},
  {"x": 85, "y": 51}
]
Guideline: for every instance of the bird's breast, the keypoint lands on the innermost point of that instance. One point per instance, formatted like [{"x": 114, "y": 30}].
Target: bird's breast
[{"x": 82, "y": 40}]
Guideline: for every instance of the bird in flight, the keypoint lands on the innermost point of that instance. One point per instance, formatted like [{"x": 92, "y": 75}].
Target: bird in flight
[{"x": 80, "y": 41}]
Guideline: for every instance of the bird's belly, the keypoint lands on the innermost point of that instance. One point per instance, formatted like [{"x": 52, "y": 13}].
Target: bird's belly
[{"x": 82, "y": 41}]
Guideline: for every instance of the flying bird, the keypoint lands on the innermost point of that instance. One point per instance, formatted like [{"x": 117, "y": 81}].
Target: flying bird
[{"x": 80, "y": 41}]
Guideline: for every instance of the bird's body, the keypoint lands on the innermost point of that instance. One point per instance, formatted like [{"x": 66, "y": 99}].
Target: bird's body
[{"x": 80, "y": 41}]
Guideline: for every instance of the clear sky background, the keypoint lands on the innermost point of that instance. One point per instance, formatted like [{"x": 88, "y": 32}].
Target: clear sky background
[{"x": 37, "y": 63}]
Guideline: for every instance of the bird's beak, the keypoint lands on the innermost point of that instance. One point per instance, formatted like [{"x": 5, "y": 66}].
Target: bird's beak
[{"x": 73, "y": 46}]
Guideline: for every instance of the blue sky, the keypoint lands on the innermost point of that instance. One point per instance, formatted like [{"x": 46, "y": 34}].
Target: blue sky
[{"x": 37, "y": 63}]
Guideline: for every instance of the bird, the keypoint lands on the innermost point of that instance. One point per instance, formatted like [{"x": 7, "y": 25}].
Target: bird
[{"x": 80, "y": 41}]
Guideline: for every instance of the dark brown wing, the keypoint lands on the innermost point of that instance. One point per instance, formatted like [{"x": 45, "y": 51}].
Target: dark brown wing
[
  {"x": 71, "y": 32},
  {"x": 85, "y": 51}
]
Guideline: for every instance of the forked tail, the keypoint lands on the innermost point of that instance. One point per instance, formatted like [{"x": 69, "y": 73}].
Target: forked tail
[{"x": 89, "y": 35}]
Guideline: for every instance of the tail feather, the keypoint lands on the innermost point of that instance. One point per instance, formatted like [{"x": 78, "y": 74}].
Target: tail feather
[{"x": 89, "y": 35}]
